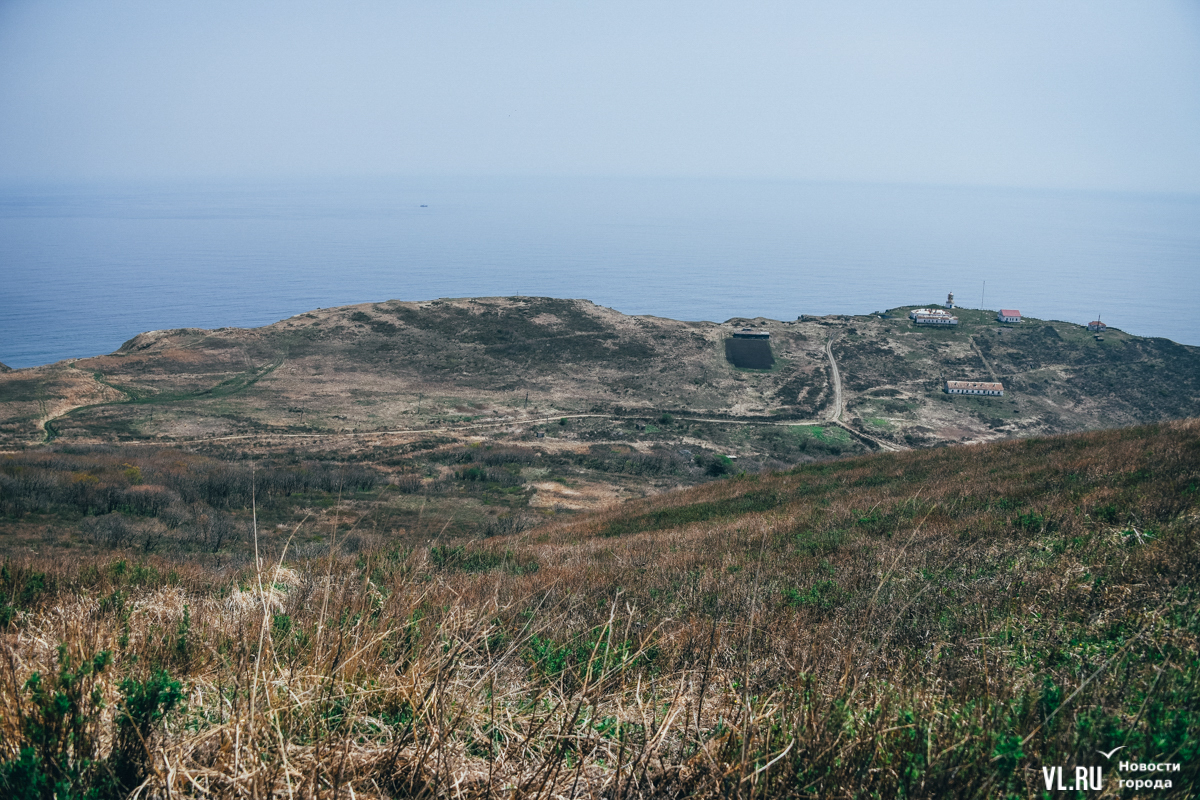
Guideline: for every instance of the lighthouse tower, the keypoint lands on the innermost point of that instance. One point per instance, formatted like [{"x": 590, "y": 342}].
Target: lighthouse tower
[{"x": 950, "y": 300}]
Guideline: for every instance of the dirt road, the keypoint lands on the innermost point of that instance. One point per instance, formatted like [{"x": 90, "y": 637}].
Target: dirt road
[{"x": 836, "y": 414}]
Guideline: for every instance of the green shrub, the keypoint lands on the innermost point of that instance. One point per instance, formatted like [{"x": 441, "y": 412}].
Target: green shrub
[
  {"x": 719, "y": 466},
  {"x": 59, "y": 732},
  {"x": 143, "y": 708},
  {"x": 58, "y": 749}
]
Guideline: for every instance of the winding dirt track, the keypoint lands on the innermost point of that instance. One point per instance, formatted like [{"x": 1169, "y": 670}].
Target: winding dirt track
[
  {"x": 835, "y": 416},
  {"x": 74, "y": 400}
]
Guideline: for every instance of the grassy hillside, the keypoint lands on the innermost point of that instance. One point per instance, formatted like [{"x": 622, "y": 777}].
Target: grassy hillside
[
  {"x": 502, "y": 367},
  {"x": 932, "y": 623}
]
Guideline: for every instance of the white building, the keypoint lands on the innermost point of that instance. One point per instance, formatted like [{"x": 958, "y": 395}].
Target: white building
[
  {"x": 1096, "y": 326},
  {"x": 935, "y": 319},
  {"x": 975, "y": 387},
  {"x": 1009, "y": 315},
  {"x": 935, "y": 312}
]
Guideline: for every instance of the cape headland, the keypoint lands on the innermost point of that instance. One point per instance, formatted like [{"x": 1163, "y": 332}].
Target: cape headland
[{"x": 506, "y": 366}]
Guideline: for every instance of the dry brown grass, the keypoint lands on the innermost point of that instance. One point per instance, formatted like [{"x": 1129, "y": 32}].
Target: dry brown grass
[{"x": 928, "y": 624}]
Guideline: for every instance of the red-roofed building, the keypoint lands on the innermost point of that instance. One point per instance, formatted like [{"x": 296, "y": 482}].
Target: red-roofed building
[
  {"x": 1095, "y": 326},
  {"x": 1009, "y": 315}
]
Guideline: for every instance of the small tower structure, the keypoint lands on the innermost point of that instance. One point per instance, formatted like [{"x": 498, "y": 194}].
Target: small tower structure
[{"x": 950, "y": 300}]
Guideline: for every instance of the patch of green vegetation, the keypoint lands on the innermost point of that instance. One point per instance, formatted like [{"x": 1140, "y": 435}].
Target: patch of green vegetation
[
  {"x": 226, "y": 388},
  {"x": 459, "y": 558},
  {"x": 511, "y": 335},
  {"x": 700, "y": 512},
  {"x": 28, "y": 390},
  {"x": 464, "y": 558},
  {"x": 832, "y": 434},
  {"x": 586, "y": 656},
  {"x": 819, "y": 542},
  {"x": 824, "y": 595}
]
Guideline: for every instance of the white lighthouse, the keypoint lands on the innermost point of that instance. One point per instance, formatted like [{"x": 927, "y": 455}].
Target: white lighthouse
[{"x": 950, "y": 300}]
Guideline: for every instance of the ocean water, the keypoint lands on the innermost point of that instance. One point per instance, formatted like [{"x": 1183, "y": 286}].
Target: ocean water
[{"x": 82, "y": 269}]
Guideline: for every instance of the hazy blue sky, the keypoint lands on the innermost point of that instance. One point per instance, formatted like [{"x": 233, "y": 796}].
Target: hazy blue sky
[{"x": 1087, "y": 94}]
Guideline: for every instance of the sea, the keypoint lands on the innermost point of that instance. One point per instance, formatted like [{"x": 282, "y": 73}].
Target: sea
[{"x": 84, "y": 268}]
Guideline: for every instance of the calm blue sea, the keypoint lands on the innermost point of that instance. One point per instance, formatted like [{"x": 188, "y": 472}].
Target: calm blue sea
[{"x": 83, "y": 269}]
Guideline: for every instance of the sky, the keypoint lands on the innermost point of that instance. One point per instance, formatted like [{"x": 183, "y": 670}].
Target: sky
[{"x": 1075, "y": 95}]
